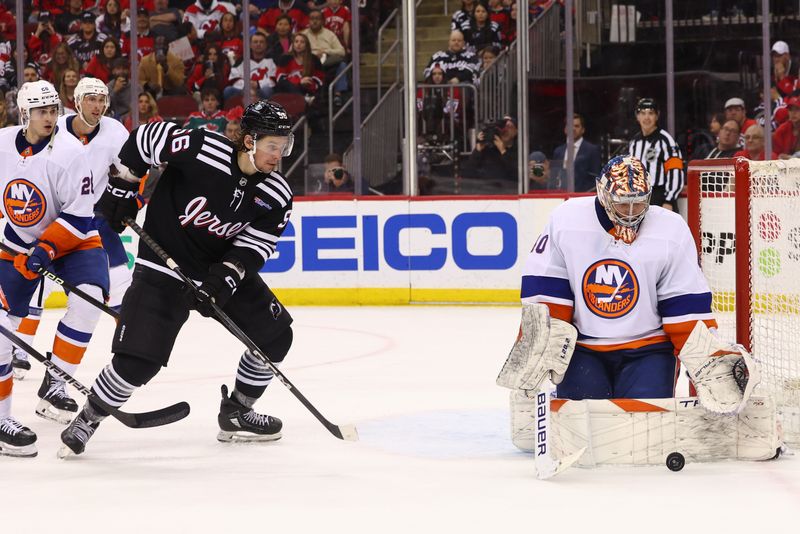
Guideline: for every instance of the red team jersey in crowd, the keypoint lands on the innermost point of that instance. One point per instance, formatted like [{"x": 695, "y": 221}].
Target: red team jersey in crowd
[
  {"x": 270, "y": 16},
  {"x": 335, "y": 21},
  {"x": 144, "y": 45},
  {"x": 293, "y": 72}
]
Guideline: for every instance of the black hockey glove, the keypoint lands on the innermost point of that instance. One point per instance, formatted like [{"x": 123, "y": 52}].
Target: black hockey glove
[
  {"x": 120, "y": 200},
  {"x": 217, "y": 287}
]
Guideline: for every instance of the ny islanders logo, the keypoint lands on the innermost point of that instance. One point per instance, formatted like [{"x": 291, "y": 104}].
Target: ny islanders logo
[
  {"x": 24, "y": 203},
  {"x": 610, "y": 288}
]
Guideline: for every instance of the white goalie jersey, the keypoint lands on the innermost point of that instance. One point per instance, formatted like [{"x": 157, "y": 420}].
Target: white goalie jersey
[
  {"x": 651, "y": 292},
  {"x": 46, "y": 190}
]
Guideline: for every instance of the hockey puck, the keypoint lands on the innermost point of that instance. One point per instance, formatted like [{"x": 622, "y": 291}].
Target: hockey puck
[{"x": 675, "y": 461}]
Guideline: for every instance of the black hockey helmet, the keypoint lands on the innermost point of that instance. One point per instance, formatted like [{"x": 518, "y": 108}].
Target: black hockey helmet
[
  {"x": 266, "y": 118},
  {"x": 646, "y": 103}
]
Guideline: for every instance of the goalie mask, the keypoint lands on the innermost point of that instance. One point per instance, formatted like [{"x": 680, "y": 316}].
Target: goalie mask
[
  {"x": 624, "y": 191},
  {"x": 39, "y": 94},
  {"x": 90, "y": 86}
]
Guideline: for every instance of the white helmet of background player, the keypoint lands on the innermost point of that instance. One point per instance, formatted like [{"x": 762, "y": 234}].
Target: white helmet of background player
[
  {"x": 90, "y": 86},
  {"x": 37, "y": 94},
  {"x": 624, "y": 190}
]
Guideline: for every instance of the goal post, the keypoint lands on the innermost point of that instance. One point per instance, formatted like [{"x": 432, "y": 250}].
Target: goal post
[{"x": 745, "y": 218}]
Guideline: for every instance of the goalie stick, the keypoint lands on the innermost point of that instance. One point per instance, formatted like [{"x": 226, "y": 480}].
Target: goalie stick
[
  {"x": 161, "y": 417},
  {"x": 66, "y": 285},
  {"x": 344, "y": 432}
]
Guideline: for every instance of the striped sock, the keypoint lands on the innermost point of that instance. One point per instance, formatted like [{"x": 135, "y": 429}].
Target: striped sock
[
  {"x": 69, "y": 346},
  {"x": 252, "y": 377},
  {"x": 111, "y": 388}
]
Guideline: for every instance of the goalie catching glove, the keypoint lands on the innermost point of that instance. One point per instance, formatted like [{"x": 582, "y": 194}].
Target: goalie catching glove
[
  {"x": 724, "y": 375},
  {"x": 543, "y": 349}
]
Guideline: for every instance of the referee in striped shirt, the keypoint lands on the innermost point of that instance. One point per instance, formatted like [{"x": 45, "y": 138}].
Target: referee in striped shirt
[{"x": 660, "y": 155}]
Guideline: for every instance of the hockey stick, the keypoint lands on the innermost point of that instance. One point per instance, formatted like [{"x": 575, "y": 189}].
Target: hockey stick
[
  {"x": 345, "y": 432},
  {"x": 66, "y": 285},
  {"x": 164, "y": 416}
]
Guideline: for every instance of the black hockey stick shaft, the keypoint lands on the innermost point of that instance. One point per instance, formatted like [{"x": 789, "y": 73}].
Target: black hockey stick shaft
[
  {"x": 164, "y": 416},
  {"x": 66, "y": 285},
  {"x": 345, "y": 432}
]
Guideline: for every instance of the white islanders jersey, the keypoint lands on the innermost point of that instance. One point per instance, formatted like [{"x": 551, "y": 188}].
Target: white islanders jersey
[
  {"x": 102, "y": 146},
  {"x": 618, "y": 296},
  {"x": 47, "y": 193}
]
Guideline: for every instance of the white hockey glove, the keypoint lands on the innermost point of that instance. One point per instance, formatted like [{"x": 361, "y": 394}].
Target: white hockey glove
[
  {"x": 544, "y": 348},
  {"x": 723, "y": 374}
]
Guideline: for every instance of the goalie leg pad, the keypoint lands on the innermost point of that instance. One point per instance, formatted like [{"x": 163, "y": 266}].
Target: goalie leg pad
[
  {"x": 544, "y": 346},
  {"x": 644, "y": 432},
  {"x": 523, "y": 420}
]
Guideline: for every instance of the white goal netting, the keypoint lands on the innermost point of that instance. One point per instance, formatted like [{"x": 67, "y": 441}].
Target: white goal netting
[{"x": 761, "y": 233}]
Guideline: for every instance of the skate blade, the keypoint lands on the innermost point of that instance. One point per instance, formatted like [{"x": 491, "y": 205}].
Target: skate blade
[
  {"x": 19, "y": 374},
  {"x": 46, "y": 410},
  {"x": 245, "y": 437},
  {"x": 25, "y": 451},
  {"x": 65, "y": 452}
]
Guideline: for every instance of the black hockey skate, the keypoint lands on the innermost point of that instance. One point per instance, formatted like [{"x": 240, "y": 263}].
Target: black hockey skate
[
  {"x": 237, "y": 422},
  {"x": 16, "y": 440},
  {"x": 20, "y": 363},
  {"x": 75, "y": 436},
  {"x": 55, "y": 405}
]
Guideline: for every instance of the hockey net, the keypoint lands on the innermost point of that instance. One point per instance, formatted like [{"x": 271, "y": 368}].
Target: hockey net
[{"x": 745, "y": 218}]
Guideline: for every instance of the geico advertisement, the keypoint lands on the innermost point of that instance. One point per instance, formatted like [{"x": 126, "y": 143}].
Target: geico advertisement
[{"x": 401, "y": 243}]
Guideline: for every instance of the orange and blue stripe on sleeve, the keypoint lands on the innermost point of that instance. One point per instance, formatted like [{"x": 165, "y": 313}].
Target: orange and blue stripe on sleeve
[
  {"x": 71, "y": 232},
  {"x": 680, "y": 314},
  {"x": 6, "y": 381},
  {"x": 555, "y": 293}
]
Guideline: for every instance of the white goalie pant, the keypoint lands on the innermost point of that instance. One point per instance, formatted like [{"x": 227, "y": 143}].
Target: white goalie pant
[{"x": 644, "y": 432}]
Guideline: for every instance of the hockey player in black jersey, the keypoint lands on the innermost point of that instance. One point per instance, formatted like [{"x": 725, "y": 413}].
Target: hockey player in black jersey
[{"x": 218, "y": 211}]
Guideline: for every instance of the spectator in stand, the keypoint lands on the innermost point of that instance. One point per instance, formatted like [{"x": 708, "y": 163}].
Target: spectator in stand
[
  {"x": 782, "y": 57},
  {"x": 511, "y": 36},
  {"x": 55, "y": 7},
  {"x": 262, "y": 70},
  {"x": 31, "y": 73},
  {"x": 786, "y": 139},
  {"x": 100, "y": 65},
  {"x": 461, "y": 16},
  {"x": 299, "y": 71},
  {"x": 205, "y": 15},
  {"x": 148, "y": 111},
  {"x": 4, "y": 118},
  {"x": 66, "y": 88},
  {"x": 164, "y": 20},
  {"x": 69, "y": 22},
  {"x": 43, "y": 40},
  {"x": 161, "y": 72},
  {"x": 295, "y": 9},
  {"x": 487, "y": 56},
  {"x": 326, "y": 47},
  {"x": 501, "y": 15},
  {"x": 338, "y": 20},
  {"x": 119, "y": 88},
  {"x": 63, "y": 59},
  {"x": 587, "y": 162},
  {"x": 754, "y": 145},
  {"x": 279, "y": 42},
  {"x": 8, "y": 24},
  {"x": 145, "y": 39},
  {"x": 734, "y": 110},
  {"x": 337, "y": 180},
  {"x": 460, "y": 65},
  {"x": 727, "y": 142},
  {"x": 112, "y": 22},
  {"x": 480, "y": 31},
  {"x": 87, "y": 42},
  {"x": 211, "y": 70},
  {"x": 436, "y": 105},
  {"x": 539, "y": 174},
  {"x": 209, "y": 116},
  {"x": 233, "y": 129},
  {"x": 228, "y": 38},
  {"x": 8, "y": 71},
  {"x": 495, "y": 154}
]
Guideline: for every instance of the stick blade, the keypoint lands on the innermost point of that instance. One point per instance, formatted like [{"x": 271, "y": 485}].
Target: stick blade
[
  {"x": 346, "y": 432},
  {"x": 161, "y": 417},
  {"x": 558, "y": 466}
]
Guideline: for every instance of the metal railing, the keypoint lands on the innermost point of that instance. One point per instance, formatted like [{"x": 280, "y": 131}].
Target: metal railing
[
  {"x": 395, "y": 46},
  {"x": 334, "y": 116},
  {"x": 545, "y": 44},
  {"x": 497, "y": 84},
  {"x": 454, "y": 125},
  {"x": 380, "y": 138}
]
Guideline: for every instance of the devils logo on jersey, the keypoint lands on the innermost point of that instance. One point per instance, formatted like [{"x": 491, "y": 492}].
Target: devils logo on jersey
[
  {"x": 610, "y": 288},
  {"x": 24, "y": 203}
]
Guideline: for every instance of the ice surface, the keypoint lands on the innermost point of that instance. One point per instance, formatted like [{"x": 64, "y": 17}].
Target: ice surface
[{"x": 434, "y": 454}]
